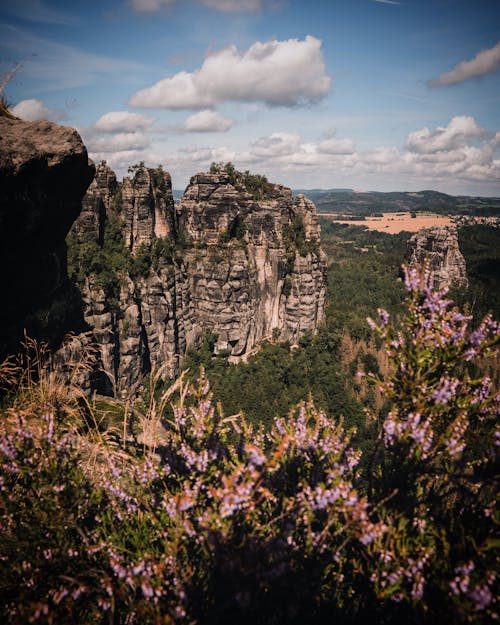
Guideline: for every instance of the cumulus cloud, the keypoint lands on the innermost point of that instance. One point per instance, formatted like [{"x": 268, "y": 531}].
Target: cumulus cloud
[
  {"x": 332, "y": 145},
  {"x": 457, "y": 157},
  {"x": 124, "y": 141},
  {"x": 277, "y": 144},
  {"x": 123, "y": 121},
  {"x": 286, "y": 73},
  {"x": 449, "y": 137},
  {"x": 486, "y": 62},
  {"x": 207, "y": 121},
  {"x": 33, "y": 109}
]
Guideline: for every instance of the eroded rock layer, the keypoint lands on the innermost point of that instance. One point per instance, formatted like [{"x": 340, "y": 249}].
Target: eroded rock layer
[
  {"x": 44, "y": 172},
  {"x": 438, "y": 247},
  {"x": 221, "y": 261}
]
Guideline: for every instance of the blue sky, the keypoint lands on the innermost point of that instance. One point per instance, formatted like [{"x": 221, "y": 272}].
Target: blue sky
[{"x": 366, "y": 94}]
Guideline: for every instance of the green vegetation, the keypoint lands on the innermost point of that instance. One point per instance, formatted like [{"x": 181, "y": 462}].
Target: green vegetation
[
  {"x": 480, "y": 246},
  {"x": 105, "y": 263},
  {"x": 324, "y": 365},
  {"x": 236, "y": 231},
  {"x": 294, "y": 235},
  {"x": 254, "y": 184},
  {"x": 367, "y": 203},
  {"x": 210, "y": 521}
]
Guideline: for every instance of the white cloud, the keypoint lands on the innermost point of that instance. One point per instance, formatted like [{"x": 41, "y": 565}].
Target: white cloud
[
  {"x": 233, "y": 6},
  {"x": 486, "y": 62},
  {"x": 277, "y": 144},
  {"x": 287, "y": 73},
  {"x": 450, "y": 137},
  {"x": 118, "y": 143},
  {"x": 207, "y": 121},
  {"x": 33, "y": 109},
  {"x": 332, "y": 145},
  {"x": 150, "y": 5},
  {"x": 123, "y": 121},
  {"x": 226, "y": 6},
  {"x": 458, "y": 158}
]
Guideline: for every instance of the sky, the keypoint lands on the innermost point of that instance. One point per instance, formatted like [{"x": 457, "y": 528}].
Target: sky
[{"x": 381, "y": 95}]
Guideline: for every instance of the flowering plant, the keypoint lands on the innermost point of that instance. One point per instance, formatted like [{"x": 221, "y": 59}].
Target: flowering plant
[
  {"x": 436, "y": 457},
  {"x": 211, "y": 521}
]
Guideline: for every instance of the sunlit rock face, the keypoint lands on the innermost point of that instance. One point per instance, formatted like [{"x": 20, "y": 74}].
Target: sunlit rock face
[
  {"x": 438, "y": 247},
  {"x": 44, "y": 173},
  {"x": 243, "y": 269}
]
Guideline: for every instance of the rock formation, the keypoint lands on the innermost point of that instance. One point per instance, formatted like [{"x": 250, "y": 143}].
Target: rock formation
[
  {"x": 44, "y": 172},
  {"x": 148, "y": 279},
  {"x": 241, "y": 268},
  {"x": 438, "y": 246}
]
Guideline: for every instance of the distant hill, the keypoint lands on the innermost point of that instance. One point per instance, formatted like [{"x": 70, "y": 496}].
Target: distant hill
[{"x": 350, "y": 202}]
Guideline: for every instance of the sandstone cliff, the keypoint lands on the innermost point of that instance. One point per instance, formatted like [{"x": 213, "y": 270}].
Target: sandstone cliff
[
  {"x": 438, "y": 246},
  {"x": 44, "y": 172},
  {"x": 222, "y": 261}
]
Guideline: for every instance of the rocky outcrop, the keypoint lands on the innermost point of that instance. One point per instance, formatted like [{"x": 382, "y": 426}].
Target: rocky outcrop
[
  {"x": 241, "y": 268},
  {"x": 44, "y": 172},
  {"x": 99, "y": 199},
  {"x": 439, "y": 248},
  {"x": 147, "y": 207}
]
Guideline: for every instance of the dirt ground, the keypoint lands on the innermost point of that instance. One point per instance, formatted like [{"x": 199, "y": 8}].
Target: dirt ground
[{"x": 392, "y": 223}]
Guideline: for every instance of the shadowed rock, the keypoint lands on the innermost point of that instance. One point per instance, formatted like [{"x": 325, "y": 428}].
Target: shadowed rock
[{"x": 44, "y": 173}]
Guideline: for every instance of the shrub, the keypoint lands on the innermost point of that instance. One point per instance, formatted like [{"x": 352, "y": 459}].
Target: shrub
[{"x": 212, "y": 521}]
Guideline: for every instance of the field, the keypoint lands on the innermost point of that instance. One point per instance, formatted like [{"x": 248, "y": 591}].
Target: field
[{"x": 393, "y": 223}]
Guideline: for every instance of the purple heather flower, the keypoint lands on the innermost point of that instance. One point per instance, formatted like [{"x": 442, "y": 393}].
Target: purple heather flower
[
  {"x": 384, "y": 316},
  {"x": 445, "y": 391}
]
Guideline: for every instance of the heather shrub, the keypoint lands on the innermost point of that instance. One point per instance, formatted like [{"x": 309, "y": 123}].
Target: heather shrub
[
  {"x": 435, "y": 460},
  {"x": 211, "y": 520}
]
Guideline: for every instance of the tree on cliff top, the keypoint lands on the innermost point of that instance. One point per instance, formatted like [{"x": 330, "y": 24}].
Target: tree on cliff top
[{"x": 255, "y": 184}]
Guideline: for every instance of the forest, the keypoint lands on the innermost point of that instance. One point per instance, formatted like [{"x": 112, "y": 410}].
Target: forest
[{"x": 350, "y": 479}]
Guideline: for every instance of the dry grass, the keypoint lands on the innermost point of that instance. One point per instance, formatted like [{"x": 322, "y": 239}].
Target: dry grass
[
  {"x": 394, "y": 223},
  {"x": 36, "y": 383}
]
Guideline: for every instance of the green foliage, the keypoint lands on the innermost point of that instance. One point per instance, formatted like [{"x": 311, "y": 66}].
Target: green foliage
[
  {"x": 151, "y": 256},
  {"x": 480, "y": 246},
  {"x": 133, "y": 169},
  {"x": 277, "y": 377},
  {"x": 105, "y": 263},
  {"x": 213, "y": 521},
  {"x": 287, "y": 286},
  {"x": 254, "y": 184},
  {"x": 235, "y": 231}
]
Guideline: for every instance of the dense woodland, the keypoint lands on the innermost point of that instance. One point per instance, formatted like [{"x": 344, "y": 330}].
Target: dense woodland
[{"x": 364, "y": 274}]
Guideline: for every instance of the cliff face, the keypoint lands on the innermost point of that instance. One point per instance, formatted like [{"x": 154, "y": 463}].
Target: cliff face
[
  {"x": 439, "y": 247},
  {"x": 242, "y": 268},
  {"x": 44, "y": 172}
]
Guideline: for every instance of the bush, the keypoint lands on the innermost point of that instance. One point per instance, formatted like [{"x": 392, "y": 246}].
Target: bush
[{"x": 213, "y": 521}]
